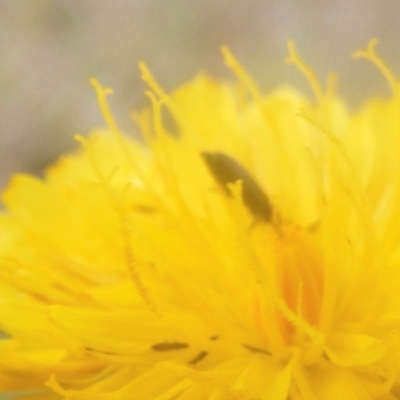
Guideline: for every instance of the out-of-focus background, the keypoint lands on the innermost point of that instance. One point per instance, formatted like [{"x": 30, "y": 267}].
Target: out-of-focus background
[{"x": 50, "y": 48}]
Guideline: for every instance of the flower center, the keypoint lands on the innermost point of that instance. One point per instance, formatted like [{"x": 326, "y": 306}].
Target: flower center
[
  {"x": 299, "y": 274},
  {"x": 294, "y": 267}
]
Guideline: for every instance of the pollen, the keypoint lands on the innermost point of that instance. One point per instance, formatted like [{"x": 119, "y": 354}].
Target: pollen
[{"x": 250, "y": 250}]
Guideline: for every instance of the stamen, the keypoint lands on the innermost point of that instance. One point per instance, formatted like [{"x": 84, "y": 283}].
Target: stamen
[
  {"x": 294, "y": 58},
  {"x": 163, "y": 97},
  {"x": 240, "y": 72},
  {"x": 125, "y": 232},
  {"x": 156, "y": 115},
  {"x": 102, "y": 93},
  {"x": 161, "y": 148},
  {"x": 359, "y": 195},
  {"x": 332, "y": 138},
  {"x": 298, "y": 322},
  {"x": 371, "y": 55},
  {"x": 153, "y": 84}
]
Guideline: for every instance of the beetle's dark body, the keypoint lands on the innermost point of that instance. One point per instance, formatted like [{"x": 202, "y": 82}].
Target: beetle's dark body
[{"x": 227, "y": 170}]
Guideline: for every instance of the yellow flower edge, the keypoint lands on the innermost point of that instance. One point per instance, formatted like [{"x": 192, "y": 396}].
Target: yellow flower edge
[{"x": 249, "y": 251}]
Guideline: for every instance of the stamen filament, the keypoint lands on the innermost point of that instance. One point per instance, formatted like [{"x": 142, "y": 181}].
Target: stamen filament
[
  {"x": 294, "y": 58},
  {"x": 370, "y": 54}
]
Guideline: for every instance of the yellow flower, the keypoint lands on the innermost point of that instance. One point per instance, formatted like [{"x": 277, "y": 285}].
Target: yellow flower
[{"x": 249, "y": 251}]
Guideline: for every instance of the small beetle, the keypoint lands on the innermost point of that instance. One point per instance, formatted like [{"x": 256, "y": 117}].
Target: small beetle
[{"x": 227, "y": 170}]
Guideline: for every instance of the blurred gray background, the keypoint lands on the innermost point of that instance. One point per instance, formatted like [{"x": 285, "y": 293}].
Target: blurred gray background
[{"x": 49, "y": 49}]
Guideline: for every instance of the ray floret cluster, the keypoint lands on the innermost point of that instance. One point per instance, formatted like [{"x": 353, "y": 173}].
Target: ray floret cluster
[{"x": 251, "y": 251}]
